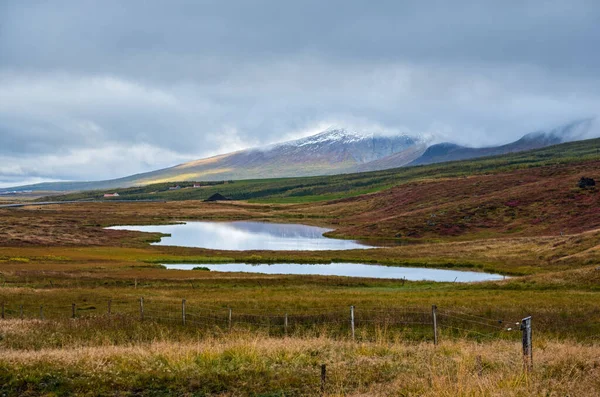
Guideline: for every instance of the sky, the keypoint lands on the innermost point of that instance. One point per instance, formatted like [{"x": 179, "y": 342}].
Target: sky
[{"x": 94, "y": 90}]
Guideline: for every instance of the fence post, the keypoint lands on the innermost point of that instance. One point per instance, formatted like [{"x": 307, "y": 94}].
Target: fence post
[
  {"x": 142, "y": 309},
  {"x": 434, "y": 323},
  {"x": 323, "y": 378},
  {"x": 72, "y": 310},
  {"x": 527, "y": 347},
  {"x": 352, "y": 320},
  {"x": 135, "y": 284},
  {"x": 3, "y": 310},
  {"x": 21, "y": 310},
  {"x": 41, "y": 312},
  {"x": 183, "y": 311},
  {"x": 285, "y": 324},
  {"x": 230, "y": 319},
  {"x": 109, "y": 306}
]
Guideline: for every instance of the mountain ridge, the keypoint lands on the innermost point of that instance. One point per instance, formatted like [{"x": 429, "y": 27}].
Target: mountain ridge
[
  {"x": 333, "y": 151},
  {"x": 448, "y": 151}
]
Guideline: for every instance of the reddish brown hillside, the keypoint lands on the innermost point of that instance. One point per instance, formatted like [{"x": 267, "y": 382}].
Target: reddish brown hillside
[{"x": 538, "y": 201}]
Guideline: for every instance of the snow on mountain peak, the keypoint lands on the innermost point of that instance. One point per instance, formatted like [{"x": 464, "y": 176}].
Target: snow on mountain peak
[
  {"x": 333, "y": 135},
  {"x": 340, "y": 135}
]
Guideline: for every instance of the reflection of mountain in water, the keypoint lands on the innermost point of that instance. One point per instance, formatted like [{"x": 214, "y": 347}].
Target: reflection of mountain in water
[
  {"x": 280, "y": 230},
  {"x": 243, "y": 236}
]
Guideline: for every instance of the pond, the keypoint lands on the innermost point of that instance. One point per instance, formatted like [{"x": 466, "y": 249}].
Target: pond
[
  {"x": 349, "y": 270},
  {"x": 242, "y": 236}
]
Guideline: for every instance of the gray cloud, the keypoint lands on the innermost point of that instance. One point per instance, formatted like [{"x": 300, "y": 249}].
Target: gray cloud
[{"x": 91, "y": 91}]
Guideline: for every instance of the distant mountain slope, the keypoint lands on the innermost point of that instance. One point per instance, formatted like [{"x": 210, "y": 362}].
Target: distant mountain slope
[
  {"x": 333, "y": 151},
  {"x": 443, "y": 152}
]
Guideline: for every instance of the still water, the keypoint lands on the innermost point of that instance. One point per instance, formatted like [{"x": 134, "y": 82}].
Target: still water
[
  {"x": 241, "y": 236},
  {"x": 349, "y": 270}
]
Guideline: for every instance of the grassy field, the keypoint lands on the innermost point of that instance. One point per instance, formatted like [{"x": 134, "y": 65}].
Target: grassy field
[
  {"x": 252, "y": 364},
  {"x": 529, "y": 222}
]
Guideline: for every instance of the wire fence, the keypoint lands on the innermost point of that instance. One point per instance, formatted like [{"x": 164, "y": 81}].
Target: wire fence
[{"x": 356, "y": 322}]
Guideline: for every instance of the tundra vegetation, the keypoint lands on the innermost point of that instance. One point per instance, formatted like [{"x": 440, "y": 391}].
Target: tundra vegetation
[{"x": 521, "y": 215}]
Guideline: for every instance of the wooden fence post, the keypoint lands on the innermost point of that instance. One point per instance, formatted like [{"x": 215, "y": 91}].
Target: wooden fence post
[
  {"x": 183, "y": 311},
  {"x": 72, "y": 310},
  {"x": 352, "y": 321},
  {"x": 323, "y": 378},
  {"x": 3, "y": 310},
  {"x": 479, "y": 366},
  {"x": 41, "y": 312},
  {"x": 142, "y": 309},
  {"x": 230, "y": 319},
  {"x": 109, "y": 306},
  {"x": 21, "y": 309},
  {"x": 434, "y": 323},
  {"x": 285, "y": 324},
  {"x": 527, "y": 346}
]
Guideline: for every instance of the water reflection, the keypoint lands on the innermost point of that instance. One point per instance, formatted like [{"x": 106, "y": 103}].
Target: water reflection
[
  {"x": 349, "y": 270},
  {"x": 240, "y": 236}
]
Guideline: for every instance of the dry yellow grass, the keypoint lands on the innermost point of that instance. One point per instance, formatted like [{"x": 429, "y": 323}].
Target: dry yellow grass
[{"x": 247, "y": 364}]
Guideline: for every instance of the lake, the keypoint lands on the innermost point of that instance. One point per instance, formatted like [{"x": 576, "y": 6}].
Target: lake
[
  {"x": 244, "y": 236},
  {"x": 347, "y": 269}
]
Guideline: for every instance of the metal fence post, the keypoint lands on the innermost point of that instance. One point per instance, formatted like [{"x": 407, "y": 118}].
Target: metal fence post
[
  {"x": 183, "y": 311},
  {"x": 230, "y": 318},
  {"x": 142, "y": 309},
  {"x": 352, "y": 321},
  {"x": 527, "y": 346},
  {"x": 434, "y": 323}
]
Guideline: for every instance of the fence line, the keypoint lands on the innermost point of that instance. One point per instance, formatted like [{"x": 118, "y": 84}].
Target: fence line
[{"x": 351, "y": 319}]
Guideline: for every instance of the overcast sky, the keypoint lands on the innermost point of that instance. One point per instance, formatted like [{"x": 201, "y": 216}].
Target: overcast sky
[{"x": 100, "y": 89}]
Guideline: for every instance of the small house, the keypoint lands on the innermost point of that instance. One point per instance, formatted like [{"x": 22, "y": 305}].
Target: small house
[
  {"x": 175, "y": 187},
  {"x": 108, "y": 195}
]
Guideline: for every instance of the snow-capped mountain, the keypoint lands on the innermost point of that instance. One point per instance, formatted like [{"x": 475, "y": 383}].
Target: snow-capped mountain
[{"x": 333, "y": 151}]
